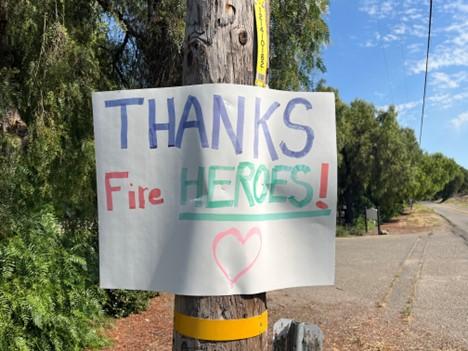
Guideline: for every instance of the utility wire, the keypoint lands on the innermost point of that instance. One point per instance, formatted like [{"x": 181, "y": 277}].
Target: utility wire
[{"x": 425, "y": 74}]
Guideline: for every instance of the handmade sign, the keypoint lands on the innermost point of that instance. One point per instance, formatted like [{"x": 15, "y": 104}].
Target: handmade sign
[{"x": 215, "y": 189}]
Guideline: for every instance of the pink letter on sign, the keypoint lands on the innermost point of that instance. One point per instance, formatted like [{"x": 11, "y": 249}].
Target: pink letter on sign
[{"x": 110, "y": 189}]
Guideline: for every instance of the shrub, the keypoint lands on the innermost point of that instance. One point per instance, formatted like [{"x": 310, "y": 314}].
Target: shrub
[
  {"x": 121, "y": 303},
  {"x": 47, "y": 297}
]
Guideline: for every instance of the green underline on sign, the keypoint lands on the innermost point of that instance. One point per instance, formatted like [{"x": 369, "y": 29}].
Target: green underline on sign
[{"x": 239, "y": 217}]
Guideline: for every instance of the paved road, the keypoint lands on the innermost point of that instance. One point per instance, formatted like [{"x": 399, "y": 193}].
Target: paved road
[
  {"x": 458, "y": 216},
  {"x": 395, "y": 292}
]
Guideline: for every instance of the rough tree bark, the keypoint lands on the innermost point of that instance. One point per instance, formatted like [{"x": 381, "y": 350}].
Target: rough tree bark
[{"x": 220, "y": 48}]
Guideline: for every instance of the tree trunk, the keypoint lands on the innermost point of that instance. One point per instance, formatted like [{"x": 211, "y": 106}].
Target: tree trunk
[{"x": 219, "y": 48}]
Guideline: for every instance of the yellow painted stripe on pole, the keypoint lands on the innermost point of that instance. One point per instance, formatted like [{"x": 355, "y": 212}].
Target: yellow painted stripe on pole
[
  {"x": 220, "y": 329},
  {"x": 262, "y": 43}
]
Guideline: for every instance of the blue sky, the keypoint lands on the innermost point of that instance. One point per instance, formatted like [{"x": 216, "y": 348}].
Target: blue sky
[{"x": 377, "y": 53}]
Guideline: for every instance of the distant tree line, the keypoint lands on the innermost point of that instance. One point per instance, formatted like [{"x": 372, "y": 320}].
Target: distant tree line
[
  {"x": 53, "y": 55},
  {"x": 380, "y": 163}
]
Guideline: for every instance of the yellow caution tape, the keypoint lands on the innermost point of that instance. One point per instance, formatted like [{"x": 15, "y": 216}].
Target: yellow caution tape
[
  {"x": 262, "y": 43},
  {"x": 220, "y": 329}
]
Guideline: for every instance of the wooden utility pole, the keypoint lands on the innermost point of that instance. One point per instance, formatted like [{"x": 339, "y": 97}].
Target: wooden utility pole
[{"x": 220, "y": 47}]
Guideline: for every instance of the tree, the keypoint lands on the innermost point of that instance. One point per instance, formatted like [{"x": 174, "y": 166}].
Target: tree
[
  {"x": 464, "y": 187},
  {"x": 436, "y": 172},
  {"x": 415, "y": 154},
  {"x": 49, "y": 66},
  {"x": 379, "y": 163},
  {"x": 146, "y": 44},
  {"x": 393, "y": 165},
  {"x": 355, "y": 173},
  {"x": 296, "y": 44},
  {"x": 453, "y": 186}
]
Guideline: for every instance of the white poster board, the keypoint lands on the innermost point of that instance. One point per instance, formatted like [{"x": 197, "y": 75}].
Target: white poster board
[{"x": 215, "y": 189}]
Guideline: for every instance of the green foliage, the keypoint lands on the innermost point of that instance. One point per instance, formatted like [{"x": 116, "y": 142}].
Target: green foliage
[
  {"x": 121, "y": 303},
  {"x": 298, "y": 32},
  {"x": 53, "y": 66},
  {"x": 146, "y": 41},
  {"x": 341, "y": 231},
  {"x": 355, "y": 173},
  {"x": 464, "y": 187},
  {"x": 357, "y": 229},
  {"x": 393, "y": 165},
  {"x": 436, "y": 172},
  {"x": 453, "y": 186},
  {"x": 380, "y": 164},
  {"x": 36, "y": 312},
  {"x": 53, "y": 57}
]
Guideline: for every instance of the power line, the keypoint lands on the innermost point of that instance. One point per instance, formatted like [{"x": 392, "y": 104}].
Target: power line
[{"x": 425, "y": 74}]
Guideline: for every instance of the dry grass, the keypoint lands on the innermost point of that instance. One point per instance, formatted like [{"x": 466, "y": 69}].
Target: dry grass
[
  {"x": 460, "y": 201},
  {"x": 420, "y": 219}
]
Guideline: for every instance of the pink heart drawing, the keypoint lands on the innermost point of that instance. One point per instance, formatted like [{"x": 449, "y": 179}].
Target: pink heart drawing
[{"x": 242, "y": 240}]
